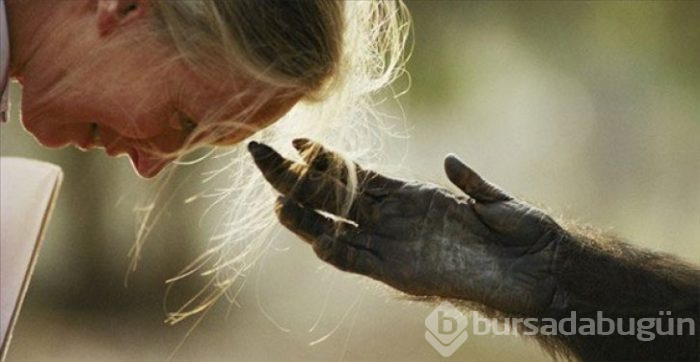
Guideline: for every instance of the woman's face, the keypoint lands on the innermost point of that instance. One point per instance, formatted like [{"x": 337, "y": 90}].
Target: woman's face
[{"x": 123, "y": 90}]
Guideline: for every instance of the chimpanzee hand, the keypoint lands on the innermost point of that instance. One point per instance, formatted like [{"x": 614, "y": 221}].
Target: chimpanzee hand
[{"x": 417, "y": 237}]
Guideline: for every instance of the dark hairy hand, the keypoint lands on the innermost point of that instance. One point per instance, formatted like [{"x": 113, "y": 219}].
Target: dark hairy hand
[{"x": 417, "y": 237}]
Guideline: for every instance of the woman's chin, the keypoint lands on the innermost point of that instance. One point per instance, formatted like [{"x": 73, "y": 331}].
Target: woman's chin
[{"x": 146, "y": 165}]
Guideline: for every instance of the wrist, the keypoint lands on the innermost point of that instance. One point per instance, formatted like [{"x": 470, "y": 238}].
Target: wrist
[{"x": 566, "y": 246}]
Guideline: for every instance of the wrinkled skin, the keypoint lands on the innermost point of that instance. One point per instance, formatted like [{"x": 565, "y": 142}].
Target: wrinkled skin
[
  {"x": 423, "y": 239},
  {"x": 486, "y": 247}
]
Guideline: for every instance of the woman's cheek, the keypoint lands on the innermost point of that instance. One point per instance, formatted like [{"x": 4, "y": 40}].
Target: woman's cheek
[{"x": 137, "y": 126}]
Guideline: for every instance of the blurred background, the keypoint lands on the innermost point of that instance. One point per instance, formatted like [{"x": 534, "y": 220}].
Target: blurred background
[{"x": 591, "y": 110}]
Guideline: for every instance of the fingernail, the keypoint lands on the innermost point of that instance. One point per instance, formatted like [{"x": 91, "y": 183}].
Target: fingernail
[
  {"x": 452, "y": 163},
  {"x": 280, "y": 203},
  {"x": 301, "y": 143},
  {"x": 451, "y": 157},
  {"x": 288, "y": 211},
  {"x": 257, "y": 149}
]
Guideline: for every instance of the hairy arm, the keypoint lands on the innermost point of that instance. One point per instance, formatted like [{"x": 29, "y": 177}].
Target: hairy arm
[
  {"x": 660, "y": 292},
  {"x": 487, "y": 248}
]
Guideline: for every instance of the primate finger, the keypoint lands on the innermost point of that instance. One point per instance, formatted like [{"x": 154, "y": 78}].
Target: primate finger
[
  {"x": 471, "y": 183},
  {"x": 283, "y": 174},
  {"x": 337, "y": 243},
  {"x": 518, "y": 223},
  {"x": 310, "y": 224},
  {"x": 306, "y": 222},
  {"x": 321, "y": 159},
  {"x": 347, "y": 257},
  {"x": 316, "y": 156},
  {"x": 297, "y": 182}
]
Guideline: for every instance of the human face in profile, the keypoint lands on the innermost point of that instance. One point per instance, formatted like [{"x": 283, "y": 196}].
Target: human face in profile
[{"x": 97, "y": 75}]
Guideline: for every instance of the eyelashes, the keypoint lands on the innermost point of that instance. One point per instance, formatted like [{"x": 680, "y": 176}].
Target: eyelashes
[{"x": 184, "y": 122}]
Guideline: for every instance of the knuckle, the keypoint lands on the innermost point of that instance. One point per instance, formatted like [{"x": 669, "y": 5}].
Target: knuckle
[
  {"x": 335, "y": 253},
  {"x": 322, "y": 248}
]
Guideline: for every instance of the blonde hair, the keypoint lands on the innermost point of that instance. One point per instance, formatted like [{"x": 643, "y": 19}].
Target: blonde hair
[{"x": 336, "y": 55}]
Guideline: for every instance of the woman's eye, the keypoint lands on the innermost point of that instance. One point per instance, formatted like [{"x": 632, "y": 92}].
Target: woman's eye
[{"x": 186, "y": 122}]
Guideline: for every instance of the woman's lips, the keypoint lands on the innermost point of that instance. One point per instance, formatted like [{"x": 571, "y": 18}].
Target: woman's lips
[{"x": 145, "y": 163}]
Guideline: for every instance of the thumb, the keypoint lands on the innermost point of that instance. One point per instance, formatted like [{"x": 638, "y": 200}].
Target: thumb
[
  {"x": 471, "y": 183},
  {"x": 520, "y": 223}
]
